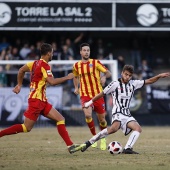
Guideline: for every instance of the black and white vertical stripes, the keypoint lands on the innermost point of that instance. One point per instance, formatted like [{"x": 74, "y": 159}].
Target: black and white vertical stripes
[{"x": 122, "y": 95}]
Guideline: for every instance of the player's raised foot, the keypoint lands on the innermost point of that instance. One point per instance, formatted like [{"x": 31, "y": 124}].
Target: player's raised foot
[
  {"x": 94, "y": 145},
  {"x": 74, "y": 148},
  {"x": 129, "y": 151},
  {"x": 86, "y": 145},
  {"x": 103, "y": 144}
]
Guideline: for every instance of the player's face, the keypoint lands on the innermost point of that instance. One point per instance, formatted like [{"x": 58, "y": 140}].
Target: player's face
[
  {"x": 85, "y": 52},
  {"x": 126, "y": 76},
  {"x": 50, "y": 55}
]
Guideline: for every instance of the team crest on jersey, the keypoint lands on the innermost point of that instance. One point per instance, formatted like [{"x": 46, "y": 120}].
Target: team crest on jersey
[
  {"x": 90, "y": 65},
  {"x": 49, "y": 72}
]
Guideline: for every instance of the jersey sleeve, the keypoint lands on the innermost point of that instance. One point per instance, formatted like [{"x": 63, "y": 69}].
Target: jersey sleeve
[
  {"x": 111, "y": 87},
  {"x": 101, "y": 67},
  {"x": 30, "y": 64},
  {"x": 46, "y": 71},
  {"x": 75, "y": 70},
  {"x": 138, "y": 83}
]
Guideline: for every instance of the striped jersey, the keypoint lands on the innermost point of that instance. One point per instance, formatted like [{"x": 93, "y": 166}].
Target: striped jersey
[
  {"x": 89, "y": 76},
  {"x": 40, "y": 70},
  {"x": 122, "y": 94}
]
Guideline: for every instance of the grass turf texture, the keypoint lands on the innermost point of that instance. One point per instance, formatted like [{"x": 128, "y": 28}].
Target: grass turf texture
[{"x": 43, "y": 149}]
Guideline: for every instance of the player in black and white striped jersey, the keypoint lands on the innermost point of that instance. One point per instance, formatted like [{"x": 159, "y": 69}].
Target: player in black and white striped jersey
[{"x": 122, "y": 92}]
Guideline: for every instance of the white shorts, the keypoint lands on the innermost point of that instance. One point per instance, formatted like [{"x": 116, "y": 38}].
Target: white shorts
[{"x": 124, "y": 120}]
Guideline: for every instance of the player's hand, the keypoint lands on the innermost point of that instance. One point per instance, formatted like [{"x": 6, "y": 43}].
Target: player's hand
[
  {"x": 70, "y": 76},
  {"x": 103, "y": 80},
  {"x": 76, "y": 91},
  {"x": 163, "y": 75},
  {"x": 17, "y": 89},
  {"x": 87, "y": 104}
]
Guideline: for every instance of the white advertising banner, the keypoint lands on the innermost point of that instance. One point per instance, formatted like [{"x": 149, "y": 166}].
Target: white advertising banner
[{"x": 12, "y": 105}]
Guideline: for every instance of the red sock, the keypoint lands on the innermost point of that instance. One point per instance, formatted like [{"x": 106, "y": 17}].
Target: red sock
[
  {"x": 91, "y": 126},
  {"x": 64, "y": 134},
  {"x": 11, "y": 130}
]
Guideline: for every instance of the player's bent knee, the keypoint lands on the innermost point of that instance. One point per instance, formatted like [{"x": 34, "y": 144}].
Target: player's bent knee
[
  {"x": 139, "y": 129},
  {"x": 112, "y": 130},
  {"x": 102, "y": 120}
]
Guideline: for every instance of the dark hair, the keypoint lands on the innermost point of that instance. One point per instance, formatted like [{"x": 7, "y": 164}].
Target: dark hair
[
  {"x": 84, "y": 44},
  {"x": 128, "y": 68},
  {"x": 45, "y": 48}
]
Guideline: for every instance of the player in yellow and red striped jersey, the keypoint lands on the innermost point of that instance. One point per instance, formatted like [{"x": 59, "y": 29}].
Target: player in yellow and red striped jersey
[
  {"x": 37, "y": 103},
  {"x": 87, "y": 73}
]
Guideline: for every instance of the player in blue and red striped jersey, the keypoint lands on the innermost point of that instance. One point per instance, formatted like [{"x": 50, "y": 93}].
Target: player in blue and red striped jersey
[
  {"x": 87, "y": 72},
  {"x": 37, "y": 102}
]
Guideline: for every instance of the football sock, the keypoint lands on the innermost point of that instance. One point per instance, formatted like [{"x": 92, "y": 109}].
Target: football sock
[
  {"x": 132, "y": 139},
  {"x": 103, "y": 125},
  {"x": 63, "y": 132},
  {"x": 18, "y": 128},
  {"x": 98, "y": 136},
  {"x": 91, "y": 125}
]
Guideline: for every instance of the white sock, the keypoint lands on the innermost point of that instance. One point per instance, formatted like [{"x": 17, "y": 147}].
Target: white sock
[
  {"x": 98, "y": 136},
  {"x": 132, "y": 139}
]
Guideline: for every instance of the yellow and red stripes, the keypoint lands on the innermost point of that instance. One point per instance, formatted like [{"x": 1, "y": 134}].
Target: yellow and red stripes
[{"x": 89, "y": 75}]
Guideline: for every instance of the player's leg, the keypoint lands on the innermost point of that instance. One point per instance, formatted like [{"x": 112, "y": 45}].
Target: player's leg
[
  {"x": 89, "y": 119},
  {"x": 88, "y": 115},
  {"x": 18, "y": 128},
  {"x": 30, "y": 119},
  {"x": 99, "y": 108},
  {"x": 102, "y": 134},
  {"x": 103, "y": 125},
  {"x": 133, "y": 125},
  {"x": 60, "y": 124},
  {"x": 102, "y": 120},
  {"x": 90, "y": 122}
]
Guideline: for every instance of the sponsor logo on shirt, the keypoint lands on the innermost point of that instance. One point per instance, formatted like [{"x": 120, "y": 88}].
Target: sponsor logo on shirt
[{"x": 125, "y": 97}]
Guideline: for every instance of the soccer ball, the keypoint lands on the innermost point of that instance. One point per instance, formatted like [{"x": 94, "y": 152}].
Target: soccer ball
[{"x": 115, "y": 147}]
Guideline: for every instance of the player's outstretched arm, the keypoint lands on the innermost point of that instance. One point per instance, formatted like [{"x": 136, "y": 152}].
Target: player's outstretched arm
[
  {"x": 55, "y": 81},
  {"x": 98, "y": 96},
  {"x": 20, "y": 78},
  {"x": 156, "y": 78}
]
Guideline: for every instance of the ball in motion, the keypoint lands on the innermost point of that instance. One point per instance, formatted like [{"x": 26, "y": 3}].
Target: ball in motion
[{"x": 115, "y": 147}]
